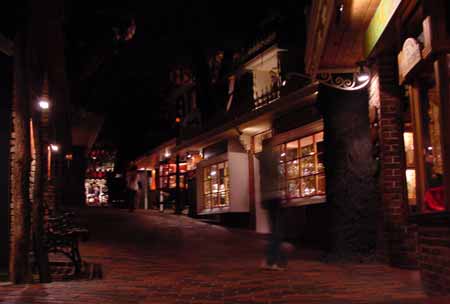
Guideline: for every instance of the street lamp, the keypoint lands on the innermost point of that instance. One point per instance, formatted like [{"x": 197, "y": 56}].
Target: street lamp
[
  {"x": 54, "y": 147},
  {"x": 44, "y": 104}
]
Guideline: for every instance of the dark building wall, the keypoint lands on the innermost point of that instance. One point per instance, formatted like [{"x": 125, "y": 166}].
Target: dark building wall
[
  {"x": 350, "y": 172},
  {"x": 5, "y": 129}
]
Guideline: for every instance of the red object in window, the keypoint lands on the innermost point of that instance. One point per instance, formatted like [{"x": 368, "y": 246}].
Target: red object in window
[{"x": 434, "y": 198}]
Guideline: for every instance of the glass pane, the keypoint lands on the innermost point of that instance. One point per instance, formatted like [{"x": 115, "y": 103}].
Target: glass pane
[
  {"x": 214, "y": 200},
  {"x": 307, "y": 146},
  {"x": 292, "y": 169},
  {"x": 409, "y": 149},
  {"x": 307, "y": 165},
  {"x": 292, "y": 150},
  {"x": 207, "y": 187},
  {"x": 293, "y": 188},
  {"x": 215, "y": 187},
  {"x": 172, "y": 181},
  {"x": 282, "y": 169},
  {"x": 411, "y": 185},
  {"x": 223, "y": 198},
  {"x": 308, "y": 186},
  {"x": 431, "y": 126},
  {"x": 207, "y": 201},
  {"x": 206, "y": 173}
]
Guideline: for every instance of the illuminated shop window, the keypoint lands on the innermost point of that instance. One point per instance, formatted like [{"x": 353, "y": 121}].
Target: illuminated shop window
[
  {"x": 216, "y": 186},
  {"x": 428, "y": 158},
  {"x": 168, "y": 175},
  {"x": 301, "y": 167},
  {"x": 410, "y": 171}
]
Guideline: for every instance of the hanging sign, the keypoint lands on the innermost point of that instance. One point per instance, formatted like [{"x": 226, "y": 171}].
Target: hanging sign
[
  {"x": 383, "y": 15},
  {"x": 408, "y": 58}
]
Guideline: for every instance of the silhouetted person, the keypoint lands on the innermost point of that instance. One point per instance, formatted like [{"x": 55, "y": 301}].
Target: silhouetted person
[
  {"x": 271, "y": 197},
  {"x": 132, "y": 187}
]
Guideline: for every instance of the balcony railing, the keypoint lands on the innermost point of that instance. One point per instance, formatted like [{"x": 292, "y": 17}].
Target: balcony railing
[{"x": 265, "y": 97}]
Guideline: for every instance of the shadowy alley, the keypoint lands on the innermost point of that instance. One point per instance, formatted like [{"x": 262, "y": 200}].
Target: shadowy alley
[{"x": 152, "y": 257}]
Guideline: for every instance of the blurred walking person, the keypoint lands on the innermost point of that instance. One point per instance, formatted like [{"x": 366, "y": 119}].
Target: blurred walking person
[
  {"x": 271, "y": 198},
  {"x": 132, "y": 186}
]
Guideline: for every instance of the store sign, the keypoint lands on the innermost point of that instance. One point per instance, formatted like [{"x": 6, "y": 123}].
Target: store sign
[
  {"x": 408, "y": 58},
  {"x": 378, "y": 24}
]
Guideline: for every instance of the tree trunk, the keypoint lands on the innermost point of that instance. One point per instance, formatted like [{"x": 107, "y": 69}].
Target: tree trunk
[
  {"x": 20, "y": 169},
  {"x": 350, "y": 171},
  {"x": 38, "y": 230}
]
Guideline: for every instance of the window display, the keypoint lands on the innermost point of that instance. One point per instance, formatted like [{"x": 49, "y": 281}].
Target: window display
[
  {"x": 302, "y": 167},
  {"x": 96, "y": 192},
  {"x": 216, "y": 186}
]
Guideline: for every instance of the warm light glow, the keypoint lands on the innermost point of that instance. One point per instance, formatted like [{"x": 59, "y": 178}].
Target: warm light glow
[
  {"x": 178, "y": 120},
  {"x": 54, "y": 148},
  {"x": 44, "y": 104},
  {"x": 167, "y": 154},
  {"x": 69, "y": 156},
  {"x": 283, "y": 154},
  {"x": 213, "y": 173},
  {"x": 142, "y": 169},
  {"x": 363, "y": 77},
  {"x": 284, "y": 83}
]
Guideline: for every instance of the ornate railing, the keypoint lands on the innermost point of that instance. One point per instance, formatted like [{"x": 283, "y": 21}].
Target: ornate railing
[{"x": 265, "y": 97}]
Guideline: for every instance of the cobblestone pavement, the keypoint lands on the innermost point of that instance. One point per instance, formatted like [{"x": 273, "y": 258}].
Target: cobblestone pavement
[{"x": 149, "y": 257}]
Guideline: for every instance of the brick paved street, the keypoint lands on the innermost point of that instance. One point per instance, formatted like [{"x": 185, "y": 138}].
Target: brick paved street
[{"x": 149, "y": 257}]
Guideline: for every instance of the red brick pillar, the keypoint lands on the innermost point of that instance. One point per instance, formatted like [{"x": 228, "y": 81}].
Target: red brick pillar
[{"x": 399, "y": 237}]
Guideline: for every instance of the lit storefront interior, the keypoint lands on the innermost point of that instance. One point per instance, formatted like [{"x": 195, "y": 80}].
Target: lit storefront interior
[{"x": 100, "y": 168}]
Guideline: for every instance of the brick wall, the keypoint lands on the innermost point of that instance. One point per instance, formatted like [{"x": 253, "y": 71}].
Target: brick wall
[
  {"x": 397, "y": 238},
  {"x": 434, "y": 257}
]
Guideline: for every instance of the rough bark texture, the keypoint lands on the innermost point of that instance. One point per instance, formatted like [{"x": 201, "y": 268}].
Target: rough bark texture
[
  {"x": 350, "y": 170},
  {"x": 6, "y": 75},
  {"x": 38, "y": 233},
  {"x": 20, "y": 168}
]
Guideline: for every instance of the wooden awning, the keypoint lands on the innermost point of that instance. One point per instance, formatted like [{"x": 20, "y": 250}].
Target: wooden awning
[{"x": 340, "y": 34}]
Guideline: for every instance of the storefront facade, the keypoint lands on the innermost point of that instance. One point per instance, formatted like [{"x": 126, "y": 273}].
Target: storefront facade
[{"x": 405, "y": 45}]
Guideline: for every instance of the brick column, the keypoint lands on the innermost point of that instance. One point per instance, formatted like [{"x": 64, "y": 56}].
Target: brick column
[{"x": 400, "y": 238}]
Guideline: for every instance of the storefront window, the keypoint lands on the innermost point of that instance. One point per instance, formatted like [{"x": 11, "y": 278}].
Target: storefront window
[
  {"x": 168, "y": 175},
  {"x": 301, "y": 166},
  {"x": 216, "y": 186},
  {"x": 428, "y": 173},
  {"x": 410, "y": 170}
]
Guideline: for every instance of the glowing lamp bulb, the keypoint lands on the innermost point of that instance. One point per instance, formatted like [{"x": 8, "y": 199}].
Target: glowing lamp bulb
[
  {"x": 44, "y": 104},
  {"x": 363, "y": 77},
  {"x": 54, "y": 148}
]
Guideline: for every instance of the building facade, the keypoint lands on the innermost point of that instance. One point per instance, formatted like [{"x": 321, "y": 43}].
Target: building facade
[{"x": 404, "y": 45}]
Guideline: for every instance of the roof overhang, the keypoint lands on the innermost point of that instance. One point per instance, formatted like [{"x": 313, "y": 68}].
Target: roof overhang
[{"x": 337, "y": 40}]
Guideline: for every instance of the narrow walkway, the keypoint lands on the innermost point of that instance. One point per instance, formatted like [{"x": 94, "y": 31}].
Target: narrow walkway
[{"x": 149, "y": 257}]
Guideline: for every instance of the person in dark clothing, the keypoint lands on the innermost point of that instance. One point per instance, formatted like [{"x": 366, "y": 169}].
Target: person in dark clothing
[
  {"x": 271, "y": 201},
  {"x": 132, "y": 187}
]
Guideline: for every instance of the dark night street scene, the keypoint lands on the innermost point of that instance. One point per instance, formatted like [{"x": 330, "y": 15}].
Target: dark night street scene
[{"x": 238, "y": 152}]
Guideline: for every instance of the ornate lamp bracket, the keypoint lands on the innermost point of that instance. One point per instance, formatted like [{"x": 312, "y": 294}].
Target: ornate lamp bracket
[{"x": 341, "y": 81}]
